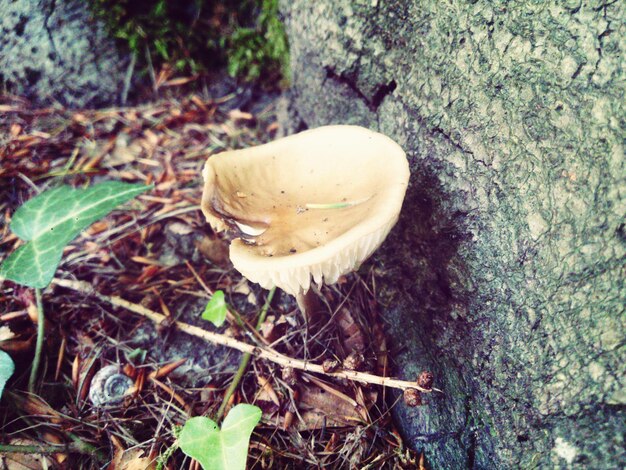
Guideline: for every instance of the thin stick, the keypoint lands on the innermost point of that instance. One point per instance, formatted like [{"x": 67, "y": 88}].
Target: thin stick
[
  {"x": 198, "y": 278},
  {"x": 128, "y": 77},
  {"x": 77, "y": 446},
  {"x": 257, "y": 351},
  {"x": 41, "y": 448},
  {"x": 39, "y": 344}
]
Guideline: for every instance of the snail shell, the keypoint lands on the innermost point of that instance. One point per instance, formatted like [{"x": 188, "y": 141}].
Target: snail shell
[{"x": 109, "y": 386}]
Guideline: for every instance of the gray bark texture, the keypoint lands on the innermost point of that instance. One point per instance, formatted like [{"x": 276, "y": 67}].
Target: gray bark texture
[
  {"x": 504, "y": 275},
  {"x": 52, "y": 51}
]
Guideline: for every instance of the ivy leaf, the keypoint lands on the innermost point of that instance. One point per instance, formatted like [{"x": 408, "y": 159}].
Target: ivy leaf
[
  {"x": 49, "y": 221},
  {"x": 215, "y": 311},
  {"x": 225, "y": 449},
  {"x": 7, "y": 367}
]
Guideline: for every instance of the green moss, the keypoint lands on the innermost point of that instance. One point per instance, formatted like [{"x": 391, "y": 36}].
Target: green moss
[
  {"x": 194, "y": 35},
  {"x": 261, "y": 51}
]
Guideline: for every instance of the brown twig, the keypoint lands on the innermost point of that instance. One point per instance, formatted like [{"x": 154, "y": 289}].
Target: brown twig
[{"x": 258, "y": 351}]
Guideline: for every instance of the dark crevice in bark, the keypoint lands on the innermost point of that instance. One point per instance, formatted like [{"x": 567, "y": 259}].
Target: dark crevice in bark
[
  {"x": 48, "y": 31},
  {"x": 605, "y": 5},
  {"x": 471, "y": 447},
  {"x": 471, "y": 451},
  {"x": 372, "y": 103},
  {"x": 436, "y": 436},
  {"x": 20, "y": 26},
  {"x": 578, "y": 70},
  {"x": 448, "y": 138},
  {"x": 601, "y": 37},
  {"x": 331, "y": 74},
  {"x": 382, "y": 92},
  {"x": 444, "y": 134}
]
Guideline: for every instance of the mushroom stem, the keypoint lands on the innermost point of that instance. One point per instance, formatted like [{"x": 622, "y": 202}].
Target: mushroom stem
[{"x": 309, "y": 304}]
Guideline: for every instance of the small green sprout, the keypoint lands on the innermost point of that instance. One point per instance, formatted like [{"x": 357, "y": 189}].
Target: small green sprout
[{"x": 215, "y": 310}]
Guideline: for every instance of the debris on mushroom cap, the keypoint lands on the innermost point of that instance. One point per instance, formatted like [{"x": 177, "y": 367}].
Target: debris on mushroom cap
[{"x": 312, "y": 205}]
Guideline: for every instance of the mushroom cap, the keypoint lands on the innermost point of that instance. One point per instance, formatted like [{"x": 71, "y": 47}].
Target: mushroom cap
[{"x": 312, "y": 205}]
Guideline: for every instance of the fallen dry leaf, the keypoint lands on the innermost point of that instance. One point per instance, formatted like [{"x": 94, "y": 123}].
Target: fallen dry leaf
[
  {"x": 35, "y": 406},
  {"x": 16, "y": 346},
  {"x": 318, "y": 409},
  {"x": 351, "y": 332},
  {"x": 131, "y": 460},
  {"x": 179, "y": 228},
  {"x": 6, "y": 333},
  {"x": 272, "y": 328},
  {"x": 214, "y": 249},
  {"x": 123, "y": 152},
  {"x": 243, "y": 288}
]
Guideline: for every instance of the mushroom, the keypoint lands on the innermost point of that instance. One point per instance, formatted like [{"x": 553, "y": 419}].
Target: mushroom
[{"x": 311, "y": 206}]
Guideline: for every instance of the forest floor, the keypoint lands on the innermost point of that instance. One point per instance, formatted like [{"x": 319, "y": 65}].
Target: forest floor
[{"x": 157, "y": 252}]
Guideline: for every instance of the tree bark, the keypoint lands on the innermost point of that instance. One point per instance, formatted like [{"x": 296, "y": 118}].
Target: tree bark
[
  {"x": 505, "y": 273},
  {"x": 54, "y": 51}
]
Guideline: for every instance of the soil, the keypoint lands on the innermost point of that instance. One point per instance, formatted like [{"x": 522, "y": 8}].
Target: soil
[{"x": 158, "y": 252}]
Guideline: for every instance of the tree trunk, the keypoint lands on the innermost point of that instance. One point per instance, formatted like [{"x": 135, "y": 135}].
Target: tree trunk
[
  {"x": 505, "y": 273},
  {"x": 53, "y": 51}
]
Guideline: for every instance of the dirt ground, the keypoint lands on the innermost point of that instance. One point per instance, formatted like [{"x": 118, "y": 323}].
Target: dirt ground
[{"x": 157, "y": 252}]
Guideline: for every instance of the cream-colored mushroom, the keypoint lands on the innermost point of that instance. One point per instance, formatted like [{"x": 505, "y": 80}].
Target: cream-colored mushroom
[{"x": 311, "y": 206}]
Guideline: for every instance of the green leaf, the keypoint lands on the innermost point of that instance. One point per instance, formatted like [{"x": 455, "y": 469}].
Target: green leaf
[
  {"x": 215, "y": 311},
  {"x": 7, "y": 367},
  {"x": 51, "y": 220},
  {"x": 225, "y": 449},
  {"x": 137, "y": 353}
]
